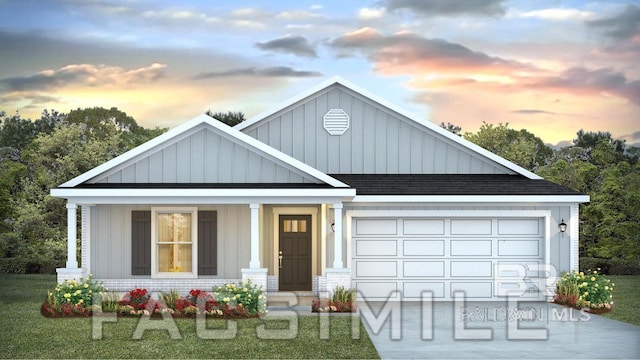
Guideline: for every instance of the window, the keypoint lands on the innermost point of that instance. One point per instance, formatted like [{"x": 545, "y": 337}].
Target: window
[
  {"x": 294, "y": 226},
  {"x": 173, "y": 233}
]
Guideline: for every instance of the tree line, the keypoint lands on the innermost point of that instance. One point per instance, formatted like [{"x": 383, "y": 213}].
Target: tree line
[{"x": 37, "y": 155}]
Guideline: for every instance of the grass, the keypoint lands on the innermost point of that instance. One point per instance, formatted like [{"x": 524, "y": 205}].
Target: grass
[
  {"x": 626, "y": 298},
  {"x": 24, "y": 333}
]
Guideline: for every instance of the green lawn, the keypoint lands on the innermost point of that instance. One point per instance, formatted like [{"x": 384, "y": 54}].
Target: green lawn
[
  {"x": 24, "y": 333},
  {"x": 626, "y": 298}
]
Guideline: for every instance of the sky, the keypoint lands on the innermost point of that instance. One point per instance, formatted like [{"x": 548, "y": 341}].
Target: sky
[{"x": 551, "y": 67}]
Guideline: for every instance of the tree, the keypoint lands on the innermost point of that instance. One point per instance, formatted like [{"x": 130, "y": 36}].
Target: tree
[
  {"x": 231, "y": 118},
  {"x": 520, "y": 147},
  {"x": 452, "y": 128},
  {"x": 54, "y": 149}
]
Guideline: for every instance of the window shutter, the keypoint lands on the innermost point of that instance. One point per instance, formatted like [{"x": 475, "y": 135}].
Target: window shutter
[
  {"x": 207, "y": 243},
  {"x": 140, "y": 242}
]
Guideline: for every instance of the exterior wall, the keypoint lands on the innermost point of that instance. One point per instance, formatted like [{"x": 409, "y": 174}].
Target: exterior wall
[
  {"x": 202, "y": 156},
  {"x": 111, "y": 240},
  {"x": 560, "y": 244},
  {"x": 378, "y": 141}
]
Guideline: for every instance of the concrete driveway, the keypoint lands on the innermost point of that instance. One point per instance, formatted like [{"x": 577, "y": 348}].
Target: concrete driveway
[{"x": 495, "y": 330}]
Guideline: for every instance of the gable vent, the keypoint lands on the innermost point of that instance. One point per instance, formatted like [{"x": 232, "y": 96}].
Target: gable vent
[{"x": 336, "y": 122}]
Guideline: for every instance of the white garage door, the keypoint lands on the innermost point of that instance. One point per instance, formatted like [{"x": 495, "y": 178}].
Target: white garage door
[{"x": 444, "y": 255}]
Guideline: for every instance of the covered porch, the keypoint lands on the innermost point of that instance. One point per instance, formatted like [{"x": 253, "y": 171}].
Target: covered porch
[{"x": 250, "y": 233}]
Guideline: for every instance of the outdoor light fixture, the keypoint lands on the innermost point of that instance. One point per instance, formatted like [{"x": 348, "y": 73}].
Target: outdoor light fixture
[
  {"x": 333, "y": 226},
  {"x": 562, "y": 226}
]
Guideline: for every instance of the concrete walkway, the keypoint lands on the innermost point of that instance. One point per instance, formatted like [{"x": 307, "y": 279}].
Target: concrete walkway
[{"x": 493, "y": 330}]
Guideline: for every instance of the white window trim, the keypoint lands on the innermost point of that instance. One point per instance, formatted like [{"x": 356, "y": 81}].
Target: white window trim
[{"x": 155, "y": 274}]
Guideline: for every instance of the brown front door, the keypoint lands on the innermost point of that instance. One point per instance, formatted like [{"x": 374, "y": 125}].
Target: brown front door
[{"x": 295, "y": 253}]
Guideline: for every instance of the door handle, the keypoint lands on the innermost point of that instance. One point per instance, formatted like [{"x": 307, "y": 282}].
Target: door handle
[{"x": 280, "y": 259}]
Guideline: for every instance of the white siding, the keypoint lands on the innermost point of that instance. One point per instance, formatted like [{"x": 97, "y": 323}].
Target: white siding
[
  {"x": 204, "y": 156},
  {"x": 379, "y": 141},
  {"x": 111, "y": 235}
]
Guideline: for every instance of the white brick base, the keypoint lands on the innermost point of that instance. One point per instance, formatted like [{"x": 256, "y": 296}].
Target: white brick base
[
  {"x": 69, "y": 274},
  {"x": 337, "y": 277},
  {"x": 257, "y": 276},
  {"x": 182, "y": 286}
]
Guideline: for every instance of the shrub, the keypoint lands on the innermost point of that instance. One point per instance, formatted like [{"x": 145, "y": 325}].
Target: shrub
[
  {"x": 76, "y": 292},
  {"x": 170, "y": 298},
  {"x": 137, "y": 299},
  {"x": 343, "y": 300},
  {"x": 585, "y": 289},
  {"x": 109, "y": 301},
  {"x": 610, "y": 266},
  {"x": 243, "y": 299}
]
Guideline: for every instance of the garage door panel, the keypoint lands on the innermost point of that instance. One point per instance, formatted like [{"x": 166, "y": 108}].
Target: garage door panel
[
  {"x": 376, "y": 247},
  {"x": 376, "y": 268},
  {"x": 471, "y": 247},
  {"x": 423, "y": 248},
  {"x": 518, "y": 269},
  {"x": 423, "y": 269},
  {"x": 376, "y": 290},
  {"x": 471, "y": 227},
  {"x": 519, "y": 227},
  {"x": 376, "y": 227},
  {"x": 471, "y": 268},
  {"x": 415, "y": 289},
  {"x": 423, "y": 226},
  {"x": 473, "y": 289},
  {"x": 519, "y": 248}
]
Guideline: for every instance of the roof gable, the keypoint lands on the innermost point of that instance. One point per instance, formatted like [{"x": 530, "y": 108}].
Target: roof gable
[
  {"x": 202, "y": 151},
  {"x": 381, "y": 138}
]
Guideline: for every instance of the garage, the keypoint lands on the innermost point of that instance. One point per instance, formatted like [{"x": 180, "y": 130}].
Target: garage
[{"x": 482, "y": 256}]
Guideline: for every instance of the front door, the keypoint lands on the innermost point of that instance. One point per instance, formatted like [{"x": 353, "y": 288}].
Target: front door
[{"x": 294, "y": 255}]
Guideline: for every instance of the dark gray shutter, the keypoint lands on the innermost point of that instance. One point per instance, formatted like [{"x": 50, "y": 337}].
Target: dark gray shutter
[
  {"x": 141, "y": 242},
  {"x": 207, "y": 243}
]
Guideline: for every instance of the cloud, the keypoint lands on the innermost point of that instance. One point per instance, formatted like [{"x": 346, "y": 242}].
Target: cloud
[
  {"x": 82, "y": 74},
  {"x": 275, "y": 71},
  {"x": 296, "y": 45},
  {"x": 585, "y": 81},
  {"x": 405, "y": 52},
  {"x": 370, "y": 13},
  {"x": 625, "y": 25},
  {"x": 556, "y": 14},
  {"x": 448, "y": 7},
  {"x": 532, "y": 112}
]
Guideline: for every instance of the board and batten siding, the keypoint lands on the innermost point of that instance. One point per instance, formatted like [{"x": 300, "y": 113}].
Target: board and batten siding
[
  {"x": 111, "y": 245},
  {"x": 202, "y": 156},
  {"x": 378, "y": 141}
]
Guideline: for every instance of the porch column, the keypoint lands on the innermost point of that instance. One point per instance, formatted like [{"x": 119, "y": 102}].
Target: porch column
[
  {"x": 72, "y": 262},
  {"x": 337, "y": 236},
  {"x": 255, "y": 236}
]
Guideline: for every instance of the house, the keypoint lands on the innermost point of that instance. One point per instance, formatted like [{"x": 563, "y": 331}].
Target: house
[{"x": 334, "y": 187}]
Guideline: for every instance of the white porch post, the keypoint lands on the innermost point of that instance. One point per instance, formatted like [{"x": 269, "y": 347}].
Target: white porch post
[
  {"x": 337, "y": 236},
  {"x": 255, "y": 236},
  {"x": 72, "y": 262},
  {"x": 255, "y": 273}
]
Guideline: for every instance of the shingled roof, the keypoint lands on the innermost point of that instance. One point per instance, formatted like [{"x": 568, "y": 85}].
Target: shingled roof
[{"x": 445, "y": 184}]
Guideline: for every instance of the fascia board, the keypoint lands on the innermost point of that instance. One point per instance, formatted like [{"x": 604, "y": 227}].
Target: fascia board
[
  {"x": 200, "y": 193},
  {"x": 203, "y": 119},
  {"x": 426, "y": 123},
  {"x": 471, "y": 199}
]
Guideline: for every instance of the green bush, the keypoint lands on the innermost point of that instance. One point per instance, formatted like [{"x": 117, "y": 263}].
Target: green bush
[
  {"x": 245, "y": 295},
  {"x": 77, "y": 292},
  {"x": 610, "y": 266},
  {"x": 170, "y": 298},
  {"x": 340, "y": 294},
  {"x": 585, "y": 289}
]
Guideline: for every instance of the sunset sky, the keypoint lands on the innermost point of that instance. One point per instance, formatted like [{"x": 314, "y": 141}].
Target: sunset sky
[{"x": 549, "y": 66}]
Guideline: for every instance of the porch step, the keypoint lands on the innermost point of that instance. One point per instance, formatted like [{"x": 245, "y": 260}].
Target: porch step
[{"x": 296, "y": 299}]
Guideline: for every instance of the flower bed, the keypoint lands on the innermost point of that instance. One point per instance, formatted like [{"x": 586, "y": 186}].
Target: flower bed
[
  {"x": 588, "y": 290},
  {"x": 343, "y": 300},
  {"x": 83, "y": 298}
]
